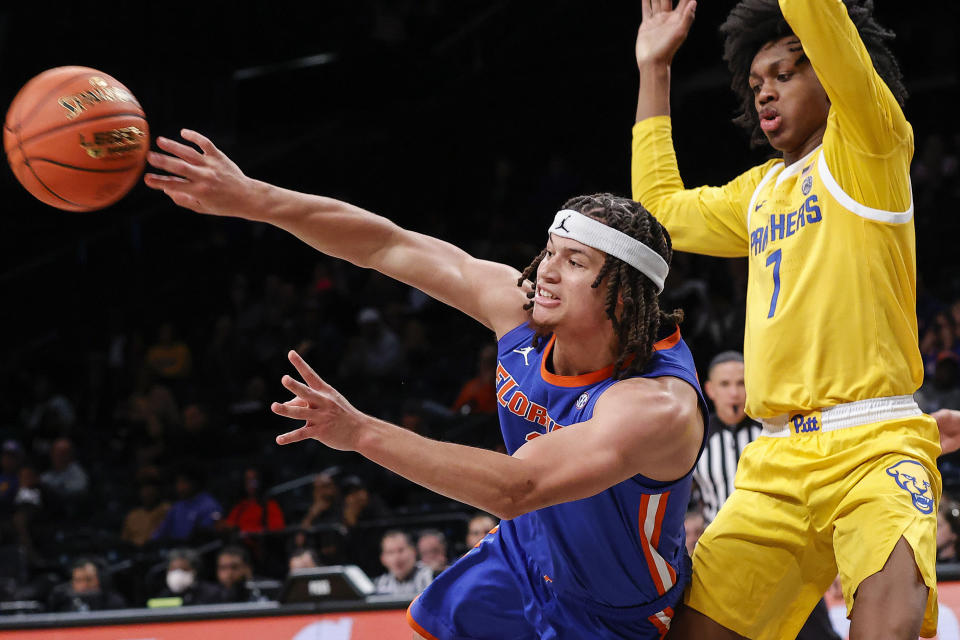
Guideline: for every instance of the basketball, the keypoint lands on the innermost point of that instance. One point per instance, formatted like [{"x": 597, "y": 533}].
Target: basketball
[{"x": 76, "y": 138}]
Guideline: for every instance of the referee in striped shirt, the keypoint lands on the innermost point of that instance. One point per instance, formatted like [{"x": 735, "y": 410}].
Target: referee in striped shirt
[{"x": 729, "y": 432}]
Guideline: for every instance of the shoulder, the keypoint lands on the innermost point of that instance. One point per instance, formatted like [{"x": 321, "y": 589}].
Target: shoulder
[{"x": 654, "y": 404}]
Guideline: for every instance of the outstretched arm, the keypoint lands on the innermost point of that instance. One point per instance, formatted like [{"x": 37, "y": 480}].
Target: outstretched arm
[
  {"x": 650, "y": 426},
  {"x": 207, "y": 181}
]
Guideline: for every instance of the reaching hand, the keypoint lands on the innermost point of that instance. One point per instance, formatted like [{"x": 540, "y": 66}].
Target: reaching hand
[
  {"x": 328, "y": 416},
  {"x": 663, "y": 29},
  {"x": 206, "y": 181}
]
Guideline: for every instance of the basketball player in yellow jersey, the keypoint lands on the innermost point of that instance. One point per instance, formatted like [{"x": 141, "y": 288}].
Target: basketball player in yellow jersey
[{"x": 843, "y": 478}]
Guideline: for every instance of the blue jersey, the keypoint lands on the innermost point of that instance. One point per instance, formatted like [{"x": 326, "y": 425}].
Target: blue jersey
[{"x": 624, "y": 546}]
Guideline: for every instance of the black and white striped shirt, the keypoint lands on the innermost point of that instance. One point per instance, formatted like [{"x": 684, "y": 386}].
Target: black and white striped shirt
[{"x": 718, "y": 464}]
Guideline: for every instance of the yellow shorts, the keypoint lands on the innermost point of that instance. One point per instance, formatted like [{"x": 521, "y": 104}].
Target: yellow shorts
[{"x": 809, "y": 506}]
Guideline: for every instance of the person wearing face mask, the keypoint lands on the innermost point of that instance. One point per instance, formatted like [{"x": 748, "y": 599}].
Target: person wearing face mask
[
  {"x": 183, "y": 581},
  {"x": 84, "y": 592}
]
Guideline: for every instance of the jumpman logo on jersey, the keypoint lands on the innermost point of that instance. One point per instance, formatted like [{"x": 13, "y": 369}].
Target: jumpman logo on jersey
[
  {"x": 524, "y": 352},
  {"x": 561, "y": 226}
]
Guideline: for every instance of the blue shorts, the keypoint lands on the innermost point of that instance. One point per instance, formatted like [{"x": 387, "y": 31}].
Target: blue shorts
[{"x": 495, "y": 591}]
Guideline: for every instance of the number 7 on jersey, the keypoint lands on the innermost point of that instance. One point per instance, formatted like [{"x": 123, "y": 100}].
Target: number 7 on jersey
[{"x": 775, "y": 259}]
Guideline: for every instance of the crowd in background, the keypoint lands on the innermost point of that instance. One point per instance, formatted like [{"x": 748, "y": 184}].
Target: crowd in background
[{"x": 138, "y": 456}]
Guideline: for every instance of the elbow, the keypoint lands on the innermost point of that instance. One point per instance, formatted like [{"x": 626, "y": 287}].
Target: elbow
[{"x": 516, "y": 497}]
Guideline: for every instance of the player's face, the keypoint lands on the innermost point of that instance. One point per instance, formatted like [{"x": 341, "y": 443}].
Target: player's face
[
  {"x": 564, "y": 296},
  {"x": 789, "y": 98},
  {"x": 725, "y": 388}
]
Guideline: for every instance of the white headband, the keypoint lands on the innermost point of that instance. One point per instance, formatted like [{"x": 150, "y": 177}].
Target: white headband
[{"x": 593, "y": 233}]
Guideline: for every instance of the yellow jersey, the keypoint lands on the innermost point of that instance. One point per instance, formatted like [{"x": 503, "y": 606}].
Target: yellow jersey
[{"x": 831, "y": 294}]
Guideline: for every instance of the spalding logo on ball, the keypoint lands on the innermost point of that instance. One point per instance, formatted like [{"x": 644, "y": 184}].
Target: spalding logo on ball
[{"x": 76, "y": 138}]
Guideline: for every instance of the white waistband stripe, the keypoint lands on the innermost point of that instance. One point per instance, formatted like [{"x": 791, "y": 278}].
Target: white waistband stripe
[{"x": 842, "y": 416}]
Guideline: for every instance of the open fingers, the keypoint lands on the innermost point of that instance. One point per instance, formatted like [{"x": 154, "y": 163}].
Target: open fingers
[
  {"x": 291, "y": 410},
  {"x": 294, "y": 436},
  {"x": 299, "y": 389},
  {"x": 180, "y": 150},
  {"x": 665, "y": 5},
  {"x": 306, "y": 371},
  {"x": 200, "y": 140},
  {"x": 157, "y": 181},
  {"x": 645, "y": 9},
  {"x": 173, "y": 165}
]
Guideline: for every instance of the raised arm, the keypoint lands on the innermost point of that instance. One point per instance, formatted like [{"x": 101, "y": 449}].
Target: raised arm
[
  {"x": 662, "y": 30},
  {"x": 868, "y": 143},
  {"x": 207, "y": 181},
  {"x": 650, "y": 426},
  {"x": 709, "y": 220},
  {"x": 867, "y": 110}
]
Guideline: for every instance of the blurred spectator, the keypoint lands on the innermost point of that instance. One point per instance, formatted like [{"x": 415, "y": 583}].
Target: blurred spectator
[
  {"x": 375, "y": 352},
  {"x": 325, "y": 506},
  {"x": 325, "y": 509},
  {"x": 235, "y": 575},
  {"x": 253, "y": 513},
  {"x": 948, "y": 523},
  {"x": 150, "y": 417},
  {"x": 303, "y": 559},
  {"x": 357, "y": 501},
  {"x": 194, "y": 512},
  {"x": 169, "y": 357},
  {"x": 942, "y": 391},
  {"x": 199, "y": 436},
  {"x": 51, "y": 412},
  {"x": 10, "y": 461},
  {"x": 939, "y": 338},
  {"x": 27, "y": 506},
  {"x": 479, "y": 526},
  {"x": 479, "y": 394},
  {"x": 84, "y": 592},
  {"x": 404, "y": 576},
  {"x": 183, "y": 580},
  {"x": 694, "y": 523},
  {"x": 66, "y": 480},
  {"x": 143, "y": 520},
  {"x": 432, "y": 549}
]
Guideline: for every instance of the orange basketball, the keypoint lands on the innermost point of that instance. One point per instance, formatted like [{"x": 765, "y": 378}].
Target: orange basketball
[{"x": 76, "y": 138}]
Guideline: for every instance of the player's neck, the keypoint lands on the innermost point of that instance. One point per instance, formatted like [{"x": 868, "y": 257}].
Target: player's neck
[
  {"x": 574, "y": 356},
  {"x": 814, "y": 141}
]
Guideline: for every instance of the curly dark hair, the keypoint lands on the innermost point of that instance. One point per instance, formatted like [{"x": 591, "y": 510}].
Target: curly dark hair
[
  {"x": 637, "y": 328},
  {"x": 753, "y": 23}
]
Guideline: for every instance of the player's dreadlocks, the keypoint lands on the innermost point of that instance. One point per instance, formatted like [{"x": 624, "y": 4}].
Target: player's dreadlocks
[
  {"x": 753, "y": 23},
  {"x": 641, "y": 317}
]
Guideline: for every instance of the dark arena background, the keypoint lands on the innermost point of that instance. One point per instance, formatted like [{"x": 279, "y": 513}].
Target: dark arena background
[{"x": 142, "y": 344}]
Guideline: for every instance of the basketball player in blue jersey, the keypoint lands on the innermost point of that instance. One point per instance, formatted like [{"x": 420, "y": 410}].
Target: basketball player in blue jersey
[
  {"x": 600, "y": 408},
  {"x": 843, "y": 477}
]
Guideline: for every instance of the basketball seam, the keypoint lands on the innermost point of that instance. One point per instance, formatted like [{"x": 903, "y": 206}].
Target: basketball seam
[
  {"x": 84, "y": 121},
  {"x": 26, "y": 163},
  {"x": 76, "y": 168},
  {"x": 40, "y": 103}
]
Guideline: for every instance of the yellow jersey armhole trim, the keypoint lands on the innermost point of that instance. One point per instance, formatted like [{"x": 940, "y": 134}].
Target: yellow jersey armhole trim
[{"x": 862, "y": 210}]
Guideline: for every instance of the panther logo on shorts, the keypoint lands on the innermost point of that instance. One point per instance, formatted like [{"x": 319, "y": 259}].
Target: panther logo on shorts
[{"x": 911, "y": 476}]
